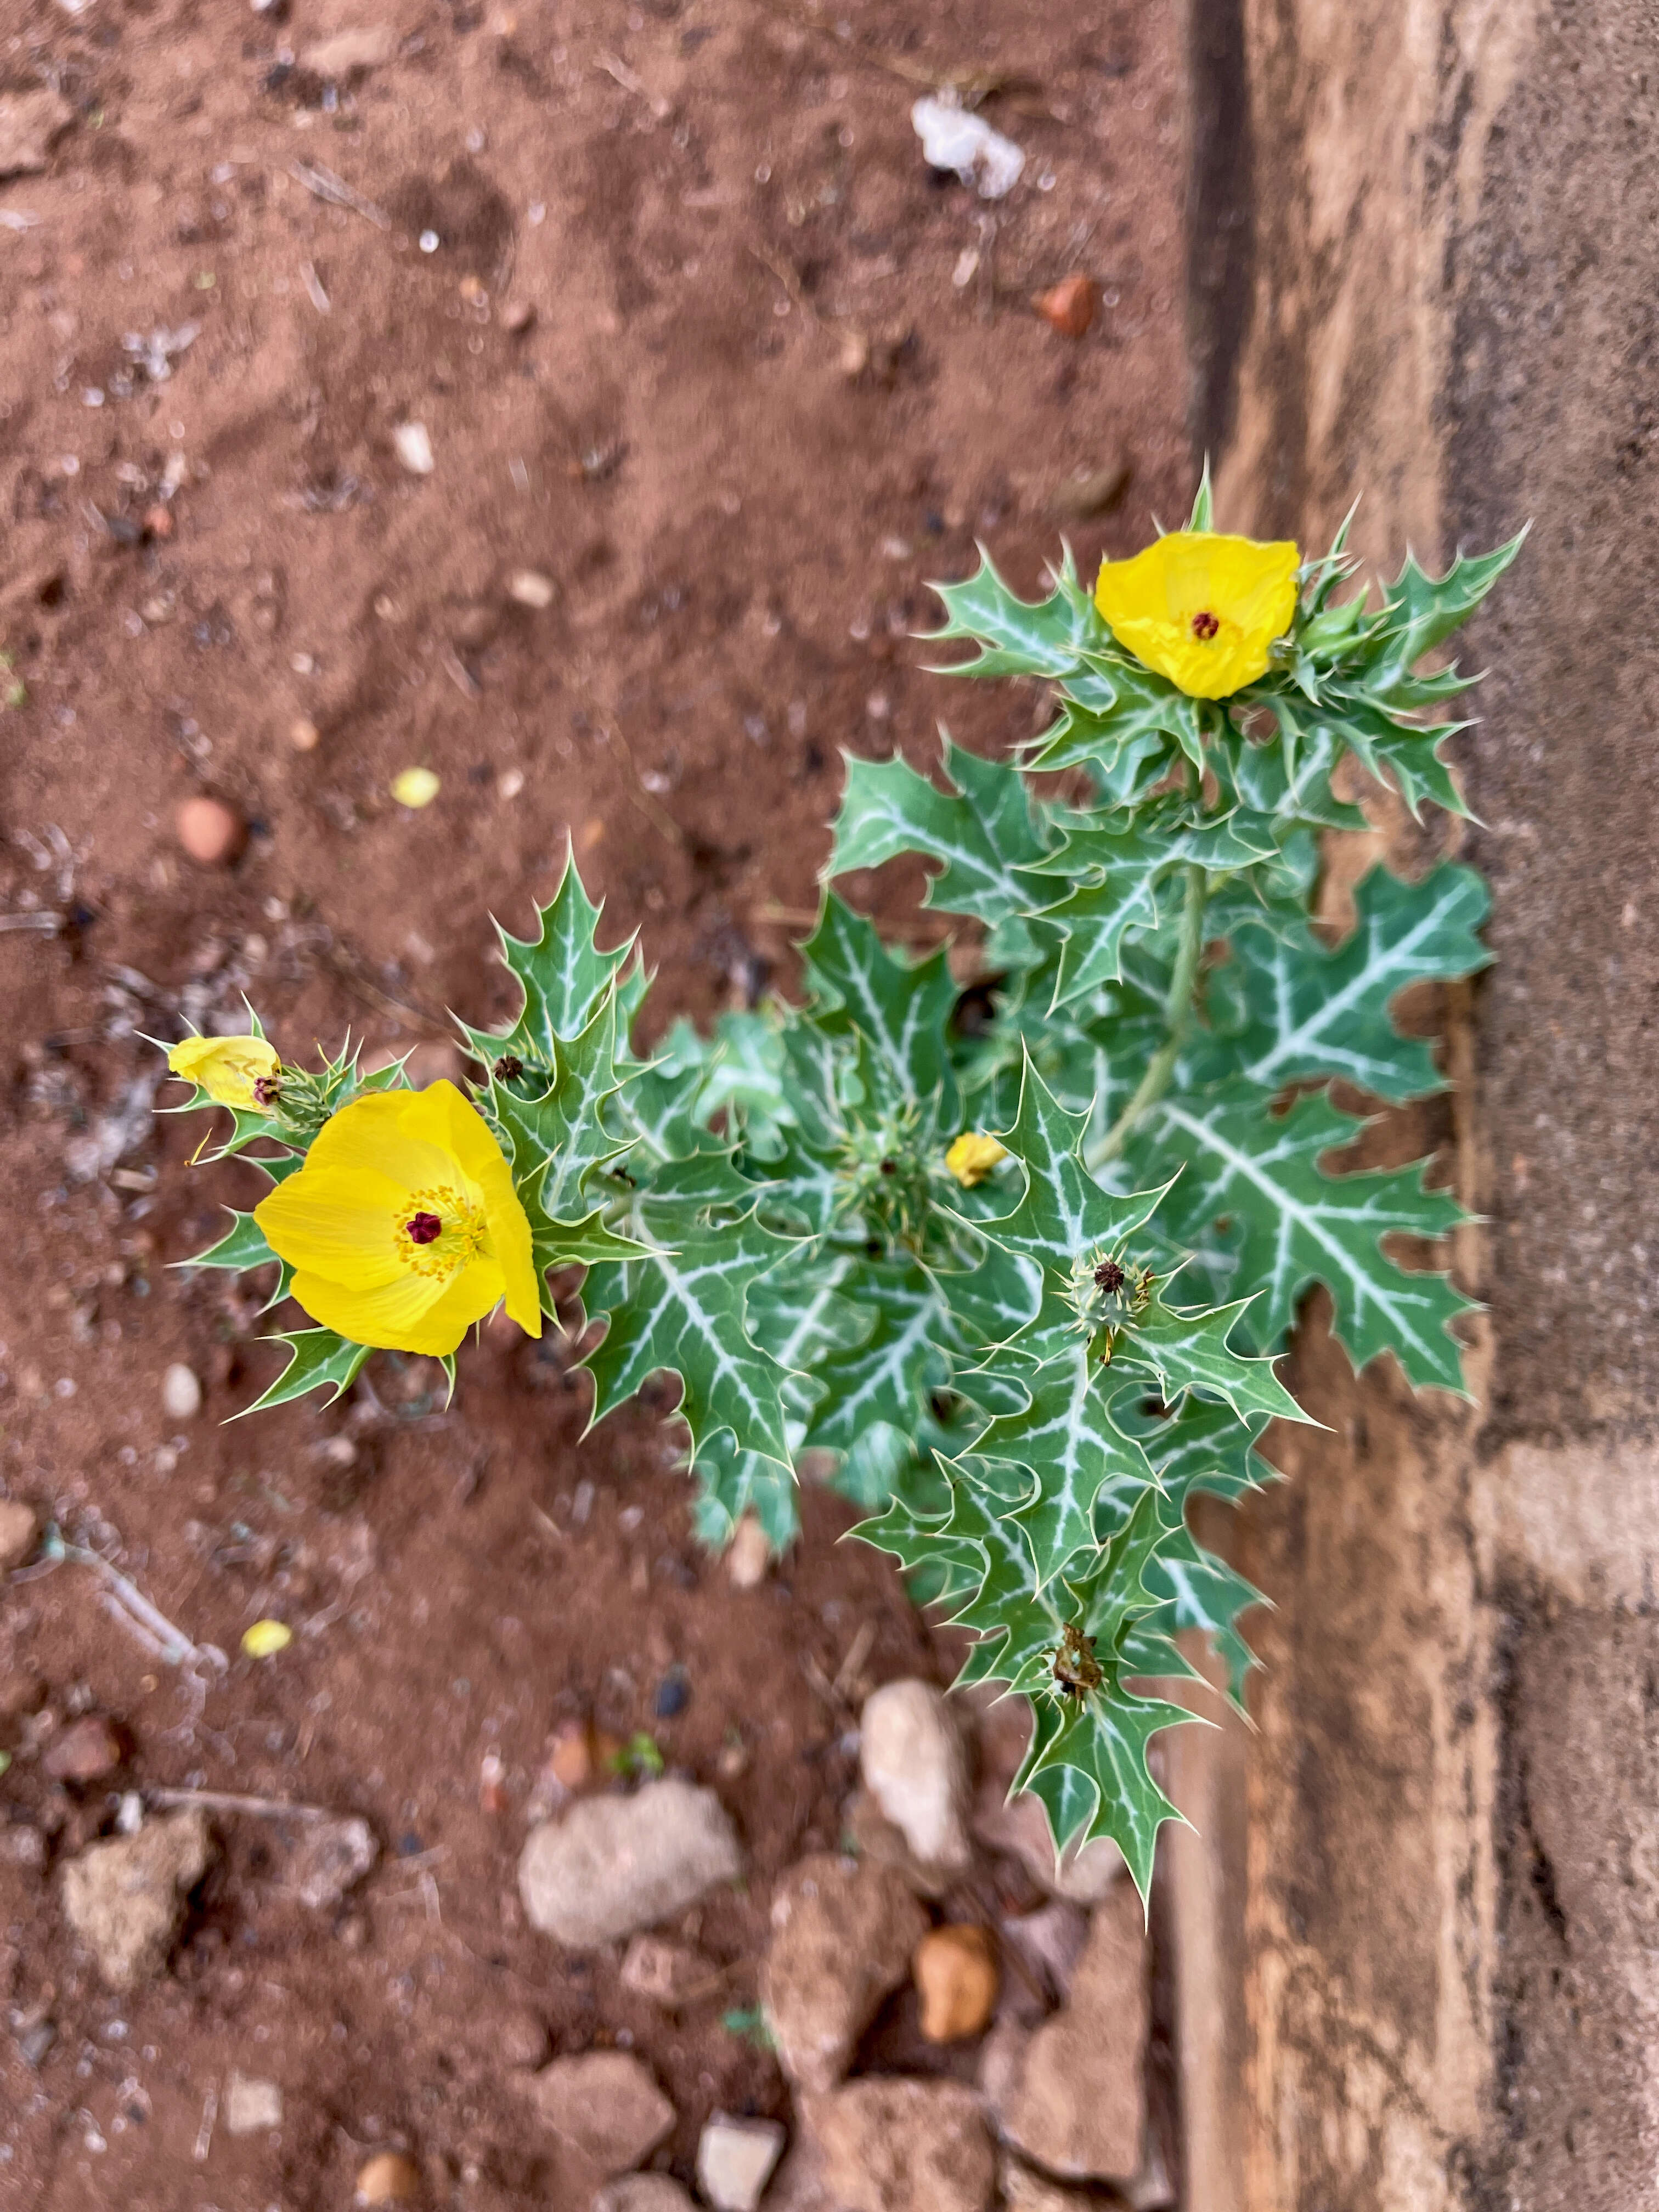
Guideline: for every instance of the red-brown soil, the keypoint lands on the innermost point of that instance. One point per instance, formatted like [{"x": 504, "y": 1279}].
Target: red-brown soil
[{"x": 667, "y": 239}]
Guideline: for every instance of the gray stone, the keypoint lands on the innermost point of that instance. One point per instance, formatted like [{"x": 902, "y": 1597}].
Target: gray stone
[
  {"x": 891, "y": 2145},
  {"x": 1025, "y": 2192},
  {"x": 667, "y": 1974},
  {"x": 329, "y": 1857},
  {"x": 1019, "y": 1826},
  {"x": 1072, "y": 2095},
  {"x": 605, "y": 2105},
  {"x": 910, "y": 1757},
  {"x": 124, "y": 1898},
  {"x": 842, "y": 1932},
  {"x": 612, "y": 1865},
  {"x": 735, "y": 2159}
]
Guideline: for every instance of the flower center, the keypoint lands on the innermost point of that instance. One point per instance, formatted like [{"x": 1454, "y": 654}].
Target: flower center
[
  {"x": 1205, "y": 625},
  {"x": 438, "y": 1231},
  {"x": 266, "y": 1091},
  {"x": 1109, "y": 1276}
]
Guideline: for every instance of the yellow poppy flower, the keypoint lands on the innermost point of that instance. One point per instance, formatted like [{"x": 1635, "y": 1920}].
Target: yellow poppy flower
[
  {"x": 1202, "y": 607},
  {"x": 972, "y": 1158},
  {"x": 234, "y": 1071},
  {"x": 403, "y": 1227}
]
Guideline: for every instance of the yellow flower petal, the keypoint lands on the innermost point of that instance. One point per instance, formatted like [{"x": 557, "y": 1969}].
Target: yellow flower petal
[
  {"x": 415, "y": 787},
  {"x": 972, "y": 1158},
  {"x": 403, "y": 1226},
  {"x": 1202, "y": 607},
  {"x": 226, "y": 1067},
  {"x": 266, "y": 1639}
]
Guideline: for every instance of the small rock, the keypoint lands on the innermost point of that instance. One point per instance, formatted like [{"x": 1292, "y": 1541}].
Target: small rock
[
  {"x": 348, "y": 52},
  {"x": 1069, "y": 306},
  {"x": 329, "y": 1857},
  {"x": 874, "y": 1837},
  {"x": 735, "y": 2159},
  {"x": 673, "y": 1695},
  {"x": 642, "y": 2192},
  {"x": 518, "y": 317},
  {"x": 181, "y": 1393},
  {"x": 1095, "y": 491},
  {"x": 521, "y": 2038},
  {"x": 664, "y": 1973},
  {"x": 250, "y": 2106},
  {"x": 211, "y": 833},
  {"x": 36, "y": 2042},
  {"x": 303, "y": 734},
  {"x": 751, "y": 1553},
  {"x": 124, "y": 1898},
  {"x": 1073, "y": 2096},
  {"x": 415, "y": 787},
  {"x": 18, "y": 1526},
  {"x": 570, "y": 1762},
  {"x": 413, "y": 443},
  {"x": 613, "y": 1865},
  {"x": 1050, "y": 1942},
  {"x": 605, "y": 2105},
  {"x": 955, "y": 1971},
  {"x": 910, "y": 1757},
  {"x": 843, "y": 1931},
  {"x": 530, "y": 588},
  {"x": 902, "y": 2146},
  {"x": 85, "y": 1751},
  {"x": 388, "y": 2178},
  {"x": 157, "y": 522},
  {"x": 1020, "y": 1826},
  {"x": 31, "y": 123},
  {"x": 1025, "y": 2192}
]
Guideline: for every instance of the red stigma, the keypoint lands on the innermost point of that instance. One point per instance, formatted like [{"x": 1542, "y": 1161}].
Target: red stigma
[
  {"x": 266, "y": 1091},
  {"x": 424, "y": 1229},
  {"x": 1205, "y": 625}
]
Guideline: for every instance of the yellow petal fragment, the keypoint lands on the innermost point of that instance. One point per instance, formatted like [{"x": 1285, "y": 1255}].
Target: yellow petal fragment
[
  {"x": 415, "y": 787},
  {"x": 266, "y": 1639},
  {"x": 226, "y": 1067},
  {"x": 1202, "y": 607},
  {"x": 972, "y": 1158}
]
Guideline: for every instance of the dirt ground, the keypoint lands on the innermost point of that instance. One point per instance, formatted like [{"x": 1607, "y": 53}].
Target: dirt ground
[{"x": 697, "y": 337}]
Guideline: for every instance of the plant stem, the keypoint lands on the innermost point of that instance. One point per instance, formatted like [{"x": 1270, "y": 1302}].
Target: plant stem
[{"x": 1177, "y": 1011}]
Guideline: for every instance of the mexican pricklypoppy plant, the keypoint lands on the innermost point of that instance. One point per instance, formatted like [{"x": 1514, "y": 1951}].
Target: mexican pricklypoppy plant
[{"x": 1022, "y": 1280}]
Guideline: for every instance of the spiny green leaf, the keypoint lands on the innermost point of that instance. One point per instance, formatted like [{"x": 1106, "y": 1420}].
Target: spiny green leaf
[
  {"x": 1086, "y": 1763},
  {"x": 1064, "y": 1214},
  {"x": 901, "y": 1009},
  {"x": 1190, "y": 1351},
  {"x": 1424, "y": 610},
  {"x": 560, "y": 970},
  {"x": 1290, "y": 1225},
  {"x": 983, "y": 833},
  {"x": 1016, "y": 636},
  {"x": 320, "y": 1360},
  {"x": 732, "y": 1482},
  {"x": 680, "y": 1311},
  {"x": 1316, "y": 1013},
  {"x": 1066, "y": 1440},
  {"x": 887, "y": 1376},
  {"x": 244, "y": 1247}
]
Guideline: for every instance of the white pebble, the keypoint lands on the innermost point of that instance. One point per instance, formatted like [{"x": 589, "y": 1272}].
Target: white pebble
[
  {"x": 414, "y": 448},
  {"x": 181, "y": 1394}
]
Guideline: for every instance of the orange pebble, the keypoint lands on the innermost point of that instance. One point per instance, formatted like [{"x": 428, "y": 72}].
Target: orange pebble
[{"x": 1069, "y": 306}]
